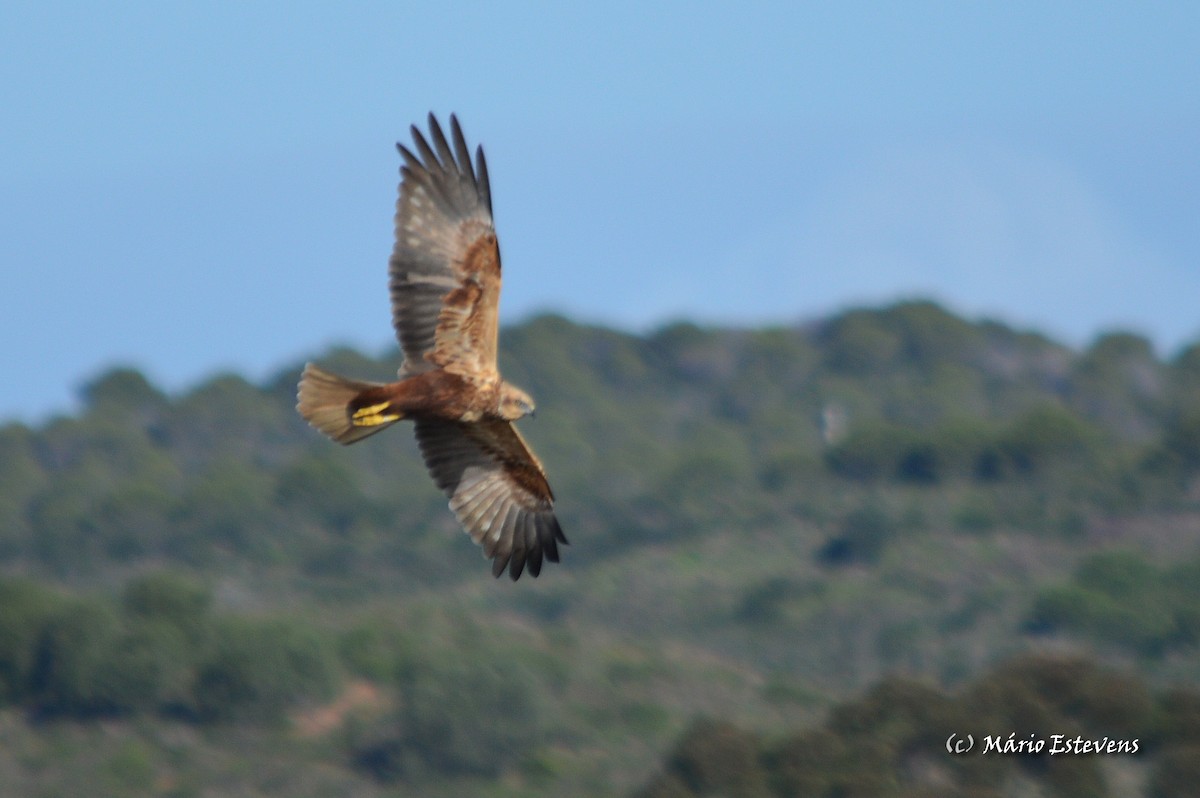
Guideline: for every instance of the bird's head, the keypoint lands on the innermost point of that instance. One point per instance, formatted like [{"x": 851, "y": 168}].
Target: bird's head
[{"x": 514, "y": 403}]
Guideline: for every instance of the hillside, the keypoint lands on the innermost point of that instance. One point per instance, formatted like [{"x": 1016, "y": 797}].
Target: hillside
[{"x": 201, "y": 596}]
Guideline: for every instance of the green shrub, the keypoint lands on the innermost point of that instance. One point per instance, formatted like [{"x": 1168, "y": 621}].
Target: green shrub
[
  {"x": 717, "y": 758},
  {"x": 874, "y": 451},
  {"x": 1120, "y": 599},
  {"x": 1176, "y": 774},
  {"x": 25, "y": 609},
  {"x": 462, "y": 714},
  {"x": 861, "y": 537},
  {"x": 74, "y": 671},
  {"x": 257, "y": 670},
  {"x": 172, "y": 599}
]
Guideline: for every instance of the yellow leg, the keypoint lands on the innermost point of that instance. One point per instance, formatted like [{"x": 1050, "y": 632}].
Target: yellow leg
[{"x": 373, "y": 416}]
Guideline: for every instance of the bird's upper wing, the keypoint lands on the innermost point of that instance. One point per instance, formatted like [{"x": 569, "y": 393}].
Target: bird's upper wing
[
  {"x": 444, "y": 273},
  {"x": 497, "y": 489}
]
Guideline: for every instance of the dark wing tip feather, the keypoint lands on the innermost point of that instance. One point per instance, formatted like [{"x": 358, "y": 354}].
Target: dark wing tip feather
[
  {"x": 484, "y": 184},
  {"x": 550, "y": 535},
  {"x": 520, "y": 550},
  {"x": 428, "y": 157},
  {"x": 410, "y": 159},
  {"x": 534, "y": 541},
  {"x": 534, "y": 560},
  {"x": 443, "y": 166},
  {"x": 445, "y": 155},
  {"x": 462, "y": 154}
]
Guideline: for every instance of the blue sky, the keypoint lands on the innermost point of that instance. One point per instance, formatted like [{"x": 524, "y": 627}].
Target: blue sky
[{"x": 189, "y": 188}]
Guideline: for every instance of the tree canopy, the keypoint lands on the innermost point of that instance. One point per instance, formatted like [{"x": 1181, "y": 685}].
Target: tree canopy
[{"x": 775, "y": 531}]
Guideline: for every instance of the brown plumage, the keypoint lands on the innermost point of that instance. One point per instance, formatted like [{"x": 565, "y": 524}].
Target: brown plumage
[{"x": 445, "y": 289}]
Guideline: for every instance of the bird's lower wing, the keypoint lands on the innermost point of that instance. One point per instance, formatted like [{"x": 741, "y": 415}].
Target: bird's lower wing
[{"x": 497, "y": 490}]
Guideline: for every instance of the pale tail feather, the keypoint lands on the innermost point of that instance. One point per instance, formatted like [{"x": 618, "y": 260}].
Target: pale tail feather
[{"x": 323, "y": 399}]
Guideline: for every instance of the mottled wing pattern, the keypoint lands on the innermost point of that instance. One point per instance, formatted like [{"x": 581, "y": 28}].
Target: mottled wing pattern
[
  {"x": 497, "y": 490},
  {"x": 445, "y": 267}
]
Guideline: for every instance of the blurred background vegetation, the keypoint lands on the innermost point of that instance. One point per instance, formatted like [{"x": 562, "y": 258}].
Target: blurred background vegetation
[{"x": 801, "y": 557}]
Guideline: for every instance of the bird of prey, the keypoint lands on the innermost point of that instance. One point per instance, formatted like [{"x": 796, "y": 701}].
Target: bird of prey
[{"x": 444, "y": 280}]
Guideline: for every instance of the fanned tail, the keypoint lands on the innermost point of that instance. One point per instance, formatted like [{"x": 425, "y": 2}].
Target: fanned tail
[{"x": 332, "y": 404}]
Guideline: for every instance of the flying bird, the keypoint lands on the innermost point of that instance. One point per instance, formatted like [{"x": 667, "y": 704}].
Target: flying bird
[{"x": 444, "y": 280}]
